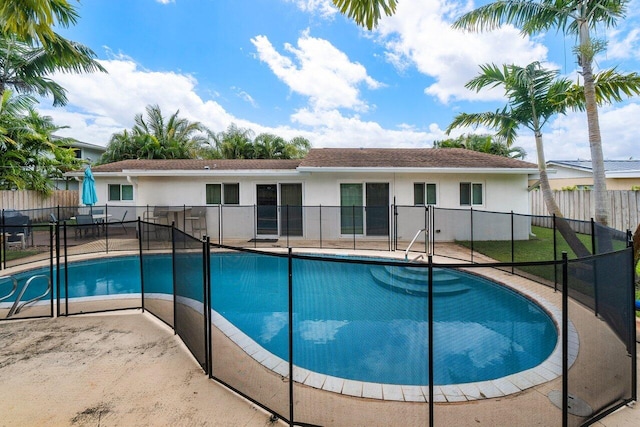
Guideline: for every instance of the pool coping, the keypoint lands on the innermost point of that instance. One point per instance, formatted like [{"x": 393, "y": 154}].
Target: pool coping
[{"x": 548, "y": 370}]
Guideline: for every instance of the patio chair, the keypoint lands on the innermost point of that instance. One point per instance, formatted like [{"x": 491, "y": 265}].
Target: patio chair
[
  {"x": 198, "y": 220},
  {"x": 85, "y": 224},
  {"x": 17, "y": 230},
  {"x": 119, "y": 221}
]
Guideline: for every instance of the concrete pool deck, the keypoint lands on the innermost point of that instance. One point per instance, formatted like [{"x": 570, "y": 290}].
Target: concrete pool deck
[{"x": 128, "y": 368}]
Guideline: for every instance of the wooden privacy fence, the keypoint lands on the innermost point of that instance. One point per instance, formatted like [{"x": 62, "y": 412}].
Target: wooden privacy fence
[
  {"x": 32, "y": 200},
  {"x": 579, "y": 204}
]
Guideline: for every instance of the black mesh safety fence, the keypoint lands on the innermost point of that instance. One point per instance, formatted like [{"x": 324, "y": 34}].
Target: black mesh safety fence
[
  {"x": 250, "y": 325},
  {"x": 156, "y": 259},
  {"x": 27, "y": 293},
  {"x": 359, "y": 343},
  {"x": 23, "y": 240},
  {"x": 538, "y": 245},
  {"x": 573, "y": 237},
  {"x": 608, "y": 239},
  {"x": 190, "y": 311},
  {"x": 601, "y": 313},
  {"x": 408, "y": 223},
  {"x": 492, "y": 344},
  {"x": 452, "y": 225}
]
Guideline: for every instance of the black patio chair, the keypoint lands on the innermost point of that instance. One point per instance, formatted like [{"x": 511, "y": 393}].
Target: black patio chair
[{"x": 85, "y": 224}]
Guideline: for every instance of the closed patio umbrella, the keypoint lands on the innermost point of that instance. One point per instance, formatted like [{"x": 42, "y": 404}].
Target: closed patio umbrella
[{"x": 89, "y": 196}]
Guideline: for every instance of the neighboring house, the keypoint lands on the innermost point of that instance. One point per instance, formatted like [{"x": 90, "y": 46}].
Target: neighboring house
[
  {"x": 349, "y": 191},
  {"x": 90, "y": 153},
  {"x": 620, "y": 174}
]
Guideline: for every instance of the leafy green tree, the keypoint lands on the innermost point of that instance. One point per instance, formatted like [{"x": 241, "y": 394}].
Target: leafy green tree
[
  {"x": 234, "y": 143},
  {"x": 157, "y": 137},
  {"x": 572, "y": 17},
  {"x": 366, "y": 12},
  {"x": 30, "y": 155},
  {"x": 31, "y": 51},
  {"x": 534, "y": 95},
  {"x": 484, "y": 144}
]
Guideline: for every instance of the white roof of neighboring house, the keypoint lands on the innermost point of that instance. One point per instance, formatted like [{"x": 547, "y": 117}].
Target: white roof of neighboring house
[
  {"x": 441, "y": 160},
  {"x": 612, "y": 168}
]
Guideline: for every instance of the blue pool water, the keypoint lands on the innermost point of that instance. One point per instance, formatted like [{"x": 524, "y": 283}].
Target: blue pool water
[{"x": 348, "y": 324}]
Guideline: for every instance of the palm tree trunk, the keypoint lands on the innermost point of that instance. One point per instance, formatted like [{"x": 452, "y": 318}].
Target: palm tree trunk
[
  {"x": 593, "y": 125},
  {"x": 562, "y": 225}
]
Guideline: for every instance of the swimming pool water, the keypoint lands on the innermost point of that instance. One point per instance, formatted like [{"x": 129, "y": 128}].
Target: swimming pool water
[{"x": 346, "y": 324}]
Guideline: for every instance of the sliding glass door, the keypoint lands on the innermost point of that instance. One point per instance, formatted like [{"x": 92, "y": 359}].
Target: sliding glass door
[
  {"x": 267, "y": 209},
  {"x": 356, "y": 216},
  {"x": 291, "y": 209}
]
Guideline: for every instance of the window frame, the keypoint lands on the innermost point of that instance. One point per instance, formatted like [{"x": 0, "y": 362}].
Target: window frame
[
  {"x": 471, "y": 194},
  {"x": 425, "y": 193},
  {"x": 223, "y": 186},
  {"x": 120, "y": 193}
]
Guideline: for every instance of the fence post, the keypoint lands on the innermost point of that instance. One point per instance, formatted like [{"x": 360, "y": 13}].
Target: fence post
[
  {"x": 173, "y": 268},
  {"x": 290, "y": 264},
  {"x": 395, "y": 224},
  {"x": 255, "y": 226},
  {"x": 353, "y": 224},
  {"x": 471, "y": 210},
  {"x": 431, "y": 352},
  {"x": 320, "y": 223},
  {"x": 632, "y": 335},
  {"x": 66, "y": 270},
  {"x": 513, "y": 245},
  {"x": 205, "y": 299},
  {"x": 50, "y": 261},
  {"x": 57, "y": 232},
  {"x": 208, "y": 305},
  {"x": 141, "y": 264},
  {"x": 555, "y": 256},
  {"x": 593, "y": 237},
  {"x": 565, "y": 340}
]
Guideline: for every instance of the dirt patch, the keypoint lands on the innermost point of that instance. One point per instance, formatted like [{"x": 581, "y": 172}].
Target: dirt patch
[{"x": 125, "y": 369}]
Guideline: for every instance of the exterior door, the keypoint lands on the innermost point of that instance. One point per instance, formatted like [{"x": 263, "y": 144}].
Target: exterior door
[
  {"x": 377, "y": 209},
  {"x": 267, "y": 209},
  {"x": 291, "y": 209}
]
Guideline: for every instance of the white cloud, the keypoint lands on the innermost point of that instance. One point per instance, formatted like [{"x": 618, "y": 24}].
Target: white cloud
[
  {"x": 165, "y": 1},
  {"x": 101, "y": 104},
  {"x": 324, "y": 8},
  {"x": 420, "y": 35},
  {"x": 316, "y": 69}
]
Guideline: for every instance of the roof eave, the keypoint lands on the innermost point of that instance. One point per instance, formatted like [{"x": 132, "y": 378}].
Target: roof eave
[{"x": 418, "y": 170}]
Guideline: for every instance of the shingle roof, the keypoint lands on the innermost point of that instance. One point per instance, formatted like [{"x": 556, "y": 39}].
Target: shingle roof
[
  {"x": 408, "y": 158},
  {"x": 190, "y": 164},
  {"x": 609, "y": 165},
  {"x": 336, "y": 158}
]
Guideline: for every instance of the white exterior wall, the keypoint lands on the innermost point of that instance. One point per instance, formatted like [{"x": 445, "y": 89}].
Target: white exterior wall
[{"x": 501, "y": 193}]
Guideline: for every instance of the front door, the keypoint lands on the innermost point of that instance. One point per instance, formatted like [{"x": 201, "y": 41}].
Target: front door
[{"x": 267, "y": 209}]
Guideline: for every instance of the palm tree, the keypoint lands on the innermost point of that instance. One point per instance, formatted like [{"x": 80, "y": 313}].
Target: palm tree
[
  {"x": 366, "y": 12},
  {"x": 31, "y": 50},
  {"x": 156, "y": 137},
  {"x": 534, "y": 95},
  {"x": 484, "y": 144},
  {"x": 29, "y": 155},
  {"x": 575, "y": 17}
]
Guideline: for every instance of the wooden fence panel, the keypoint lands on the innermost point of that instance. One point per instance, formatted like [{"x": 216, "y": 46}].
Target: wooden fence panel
[
  {"x": 32, "y": 200},
  {"x": 624, "y": 206}
]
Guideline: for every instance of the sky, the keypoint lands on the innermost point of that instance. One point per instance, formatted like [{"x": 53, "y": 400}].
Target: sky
[{"x": 300, "y": 68}]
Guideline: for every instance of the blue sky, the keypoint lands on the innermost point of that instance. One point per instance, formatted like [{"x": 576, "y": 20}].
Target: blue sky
[{"x": 298, "y": 67}]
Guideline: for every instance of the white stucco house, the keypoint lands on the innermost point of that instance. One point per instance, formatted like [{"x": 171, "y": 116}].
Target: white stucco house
[{"x": 336, "y": 191}]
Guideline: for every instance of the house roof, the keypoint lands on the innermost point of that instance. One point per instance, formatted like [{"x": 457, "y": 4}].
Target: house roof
[
  {"x": 193, "y": 165},
  {"x": 440, "y": 158},
  {"x": 612, "y": 168},
  {"x": 445, "y": 160},
  {"x": 609, "y": 165}
]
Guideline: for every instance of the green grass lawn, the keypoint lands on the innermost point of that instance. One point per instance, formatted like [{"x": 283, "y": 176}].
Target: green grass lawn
[{"x": 538, "y": 248}]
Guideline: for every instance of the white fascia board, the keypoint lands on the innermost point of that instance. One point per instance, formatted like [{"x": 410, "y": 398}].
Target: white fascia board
[
  {"x": 623, "y": 174},
  {"x": 511, "y": 171},
  {"x": 201, "y": 173}
]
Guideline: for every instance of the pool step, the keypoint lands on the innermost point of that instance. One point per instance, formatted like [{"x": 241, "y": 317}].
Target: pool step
[{"x": 415, "y": 280}]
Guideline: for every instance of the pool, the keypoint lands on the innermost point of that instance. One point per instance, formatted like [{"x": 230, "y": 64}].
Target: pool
[{"x": 358, "y": 322}]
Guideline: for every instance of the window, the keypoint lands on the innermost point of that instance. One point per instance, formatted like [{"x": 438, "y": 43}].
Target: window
[
  {"x": 424, "y": 192},
  {"x": 119, "y": 192},
  {"x": 470, "y": 194},
  {"x": 223, "y": 194}
]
